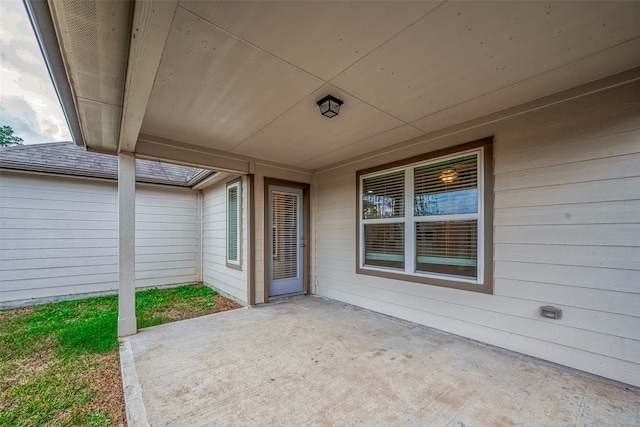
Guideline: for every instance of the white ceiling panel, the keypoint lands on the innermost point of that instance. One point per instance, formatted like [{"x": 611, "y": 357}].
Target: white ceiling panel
[
  {"x": 302, "y": 133},
  {"x": 244, "y": 77},
  {"x": 322, "y": 38},
  {"x": 372, "y": 143},
  {"x": 464, "y": 50},
  {"x": 215, "y": 90},
  {"x": 620, "y": 57}
]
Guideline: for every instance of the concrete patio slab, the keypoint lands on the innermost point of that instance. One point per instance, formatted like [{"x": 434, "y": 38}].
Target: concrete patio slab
[{"x": 309, "y": 361}]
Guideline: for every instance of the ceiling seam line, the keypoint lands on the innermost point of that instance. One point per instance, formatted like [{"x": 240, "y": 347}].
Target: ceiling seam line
[
  {"x": 249, "y": 43},
  {"x": 528, "y": 78},
  {"x": 99, "y": 102},
  {"x": 346, "y": 92},
  {"x": 471, "y": 124},
  {"x": 389, "y": 39},
  {"x": 377, "y": 108},
  {"x": 279, "y": 115},
  {"x": 325, "y": 82},
  {"x": 355, "y": 142}
]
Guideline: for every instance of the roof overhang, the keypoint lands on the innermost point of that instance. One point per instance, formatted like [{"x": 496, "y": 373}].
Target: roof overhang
[
  {"x": 86, "y": 46},
  {"x": 224, "y": 84},
  {"x": 40, "y": 17}
]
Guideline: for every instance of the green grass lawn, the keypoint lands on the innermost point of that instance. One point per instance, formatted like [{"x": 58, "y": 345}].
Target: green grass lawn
[{"x": 59, "y": 362}]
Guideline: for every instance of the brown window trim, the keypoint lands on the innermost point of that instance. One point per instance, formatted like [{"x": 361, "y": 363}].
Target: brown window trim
[
  {"x": 235, "y": 266},
  {"x": 487, "y": 285}
]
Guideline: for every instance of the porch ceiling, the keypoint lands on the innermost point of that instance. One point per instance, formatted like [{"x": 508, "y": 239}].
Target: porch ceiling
[{"x": 244, "y": 77}]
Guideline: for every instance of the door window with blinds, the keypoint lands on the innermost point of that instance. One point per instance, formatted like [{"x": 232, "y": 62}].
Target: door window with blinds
[
  {"x": 425, "y": 219},
  {"x": 233, "y": 223},
  {"x": 284, "y": 212}
]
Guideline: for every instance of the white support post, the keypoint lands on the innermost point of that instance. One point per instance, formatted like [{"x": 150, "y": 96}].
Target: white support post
[{"x": 127, "y": 244}]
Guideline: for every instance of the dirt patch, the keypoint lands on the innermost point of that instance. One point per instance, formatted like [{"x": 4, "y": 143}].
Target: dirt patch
[
  {"x": 189, "y": 311},
  {"x": 107, "y": 381},
  {"x": 23, "y": 369},
  {"x": 12, "y": 313},
  {"x": 224, "y": 304}
]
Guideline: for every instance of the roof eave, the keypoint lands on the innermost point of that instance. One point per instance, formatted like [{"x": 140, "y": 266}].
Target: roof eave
[
  {"x": 40, "y": 18},
  {"x": 83, "y": 173}
]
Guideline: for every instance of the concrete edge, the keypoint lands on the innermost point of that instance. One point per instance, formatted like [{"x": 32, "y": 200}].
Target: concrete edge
[{"x": 135, "y": 409}]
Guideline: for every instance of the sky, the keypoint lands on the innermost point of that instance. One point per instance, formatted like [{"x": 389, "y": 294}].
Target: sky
[{"x": 28, "y": 101}]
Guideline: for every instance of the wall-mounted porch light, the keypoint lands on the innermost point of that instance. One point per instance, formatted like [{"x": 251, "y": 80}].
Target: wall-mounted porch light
[
  {"x": 448, "y": 176},
  {"x": 329, "y": 106}
]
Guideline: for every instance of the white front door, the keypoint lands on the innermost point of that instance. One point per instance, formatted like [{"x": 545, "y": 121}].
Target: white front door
[{"x": 286, "y": 243}]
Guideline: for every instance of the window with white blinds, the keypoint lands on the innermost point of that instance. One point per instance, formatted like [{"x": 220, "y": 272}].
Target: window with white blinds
[
  {"x": 383, "y": 211},
  {"x": 383, "y": 196},
  {"x": 424, "y": 219},
  {"x": 233, "y": 223}
]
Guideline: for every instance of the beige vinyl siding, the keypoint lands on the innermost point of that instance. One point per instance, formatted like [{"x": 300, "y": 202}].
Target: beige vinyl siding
[
  {"x": 59, "y": 236},
  {"x": 166, "y": 236},
  {"x": 215, "y": 272},
  {"x": 566, "y": 233}
]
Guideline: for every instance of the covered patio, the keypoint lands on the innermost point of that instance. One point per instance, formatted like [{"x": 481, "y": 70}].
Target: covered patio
[
  {"x": 312, "y": 361},
  {"x": 481, "y": 179}
]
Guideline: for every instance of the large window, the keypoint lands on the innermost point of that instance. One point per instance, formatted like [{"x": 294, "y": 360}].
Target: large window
[
  {"x": 428, "y": 219},
  {"x": 233, "y": 223}
]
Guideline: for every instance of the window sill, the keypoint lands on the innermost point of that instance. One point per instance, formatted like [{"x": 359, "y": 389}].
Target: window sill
[{"x": 449, "y": 282}]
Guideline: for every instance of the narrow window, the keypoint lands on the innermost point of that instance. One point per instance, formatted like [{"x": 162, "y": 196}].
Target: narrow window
[{"x": 233, "y": 223}]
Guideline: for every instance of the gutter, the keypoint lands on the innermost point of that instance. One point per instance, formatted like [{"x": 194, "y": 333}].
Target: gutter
[
  {"x": 40, "y": 18},
  {"x": 83, "y": 173},
  {"x": 200, "y": 176}
]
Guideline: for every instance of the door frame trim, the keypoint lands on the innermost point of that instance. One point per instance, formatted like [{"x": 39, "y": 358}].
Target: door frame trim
[{"x": 306, "y": 218}]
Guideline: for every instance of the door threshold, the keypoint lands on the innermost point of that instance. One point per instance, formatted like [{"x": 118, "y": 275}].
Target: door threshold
[{"x": 286, "y": 297}]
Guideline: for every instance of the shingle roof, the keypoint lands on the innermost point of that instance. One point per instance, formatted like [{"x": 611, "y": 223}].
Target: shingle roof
[{"x": 66, "y": 158}]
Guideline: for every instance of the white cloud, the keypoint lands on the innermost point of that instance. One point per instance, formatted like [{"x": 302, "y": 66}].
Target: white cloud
[
  {"x": 27, "y": 56},
  {"x": 14, "y": 19},
  {"x": 28, "y": 102}
]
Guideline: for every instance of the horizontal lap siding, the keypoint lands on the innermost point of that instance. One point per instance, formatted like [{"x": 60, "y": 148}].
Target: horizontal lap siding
[
  {"x": 59, "y": 236},
  {"x": 566, "y": 233},
  {"x": 214, "y": 243},
  {"x": 166, "y": 236}
]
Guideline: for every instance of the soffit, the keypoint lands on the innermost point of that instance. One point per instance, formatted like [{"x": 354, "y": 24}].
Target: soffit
[
  {"x": 94, "y": 41},
  {"x": 243, "y": 77}
]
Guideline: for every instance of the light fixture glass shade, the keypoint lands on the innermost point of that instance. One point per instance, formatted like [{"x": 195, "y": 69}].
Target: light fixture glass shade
[
  {"x": 448, "y": 176},
  {"x": 329, "y": 106}
]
